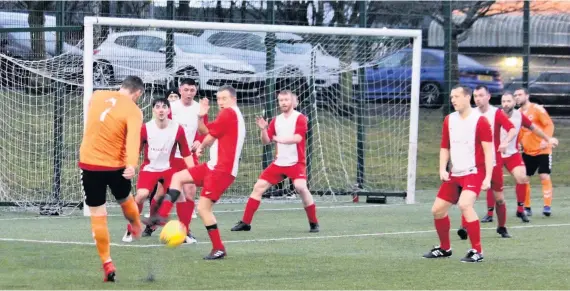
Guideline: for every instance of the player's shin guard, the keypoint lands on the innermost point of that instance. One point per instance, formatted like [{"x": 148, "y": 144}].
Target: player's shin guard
[
  {"x": 169, "y": 200},
  {"x": 184, "y": 211},
  {"x": 101, "y": 236},
  {"x": 474, "y": 230},
  {"x": 214, "y": 234},
  {"x": 501, "y": 214},
  {"x": 311, "y": 211},
  {"x": 490, "y": 202},
  {"x": 520, "y": 190},
  {"x": 250, "y": 208},
  {"x": 442, "y": 226},
  {"x": 547, "y": 191}
]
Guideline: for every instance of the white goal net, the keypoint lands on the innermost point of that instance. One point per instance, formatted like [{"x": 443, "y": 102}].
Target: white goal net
[{"x": 358, "y": 87}]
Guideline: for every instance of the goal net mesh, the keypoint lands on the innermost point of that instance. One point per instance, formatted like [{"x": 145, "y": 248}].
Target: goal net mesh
[{"x": 354, "y": 90}]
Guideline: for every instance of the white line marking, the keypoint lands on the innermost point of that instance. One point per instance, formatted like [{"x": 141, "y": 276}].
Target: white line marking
[
  {"x": 262, "y": 240},
  {"x": 225, "y": 211}
]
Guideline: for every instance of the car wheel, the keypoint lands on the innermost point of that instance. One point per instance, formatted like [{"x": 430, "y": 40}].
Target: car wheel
[
  {"x": 103, "y": 75},
  {"x": 430, "y": 95}
]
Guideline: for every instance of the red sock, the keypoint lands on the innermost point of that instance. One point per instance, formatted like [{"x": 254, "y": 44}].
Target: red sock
[
  {"x": 502, "y": 214},
  {"x": 490, "y": 202},
  {"x": 184, "y": 211},
  {"x": 474, "y": 231},
  {"x": 312, "y": 213},
  {"x": 463, "y": 222},
  {"x": 165, "y": 208},
  {"x": 153, "y": 207},
  {"x": 214, "y": 234},
  {"x": 442, "y": 226},
  {"x": 250, "y": 209},
  {"x": 520, "y": 189}
]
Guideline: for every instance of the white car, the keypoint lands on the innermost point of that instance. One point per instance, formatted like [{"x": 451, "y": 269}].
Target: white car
[
  {"x": 291, "y": 59},
  {"x": 143, "y": 53}
]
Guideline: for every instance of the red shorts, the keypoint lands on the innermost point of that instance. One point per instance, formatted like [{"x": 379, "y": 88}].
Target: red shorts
[
  {"x": 497, "y": 177},
  {"x": 213, "y": 182},
  {"x": 450, "y": 190},
  {"x": 148, "y": 180},
  {"x": 275, "y": 174},
  {"x": 513, "y": 161},
  {"x": 178, "y": 164}
]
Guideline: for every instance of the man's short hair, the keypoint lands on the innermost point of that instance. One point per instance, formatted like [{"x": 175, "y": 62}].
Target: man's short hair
[
  {"x": 162, "y": 100},
  {"x": 287, "y": 92},
  {"x": 466, "y": 90},
  {"x": 525, "y": 90},
  {"x": 479, "y": 87},
  {"x": 508, "y": 93},
  {"x": 230, "y": 90},
  {"x": 189, "y": 82},
  {"x": 171, "y": 91},
  {"x": 133, "y": 84}
]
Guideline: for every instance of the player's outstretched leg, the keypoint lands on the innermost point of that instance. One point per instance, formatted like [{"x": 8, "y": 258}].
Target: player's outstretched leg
[
  {"x": 140, "y": 198},
  {"x": 490, "y": 207},
  {"x": 442, "y": 226},
  {"x": 501, "y": 214},
  {"x": 252, "y": 205},
  {"x": 308, "y": 202},
  {"x": 207, "y": 215},
  {"x": 465, "y": 204},
  {"x": 165, "y": 205}
]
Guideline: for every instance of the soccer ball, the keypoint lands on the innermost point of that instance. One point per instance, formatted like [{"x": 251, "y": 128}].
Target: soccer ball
[{"x": 173, "y": 234}]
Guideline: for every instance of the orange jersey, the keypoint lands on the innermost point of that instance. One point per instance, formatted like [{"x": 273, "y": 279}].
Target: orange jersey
[
  {"x": 111, "y": 140},
  {"x": 531, "y": 142}
]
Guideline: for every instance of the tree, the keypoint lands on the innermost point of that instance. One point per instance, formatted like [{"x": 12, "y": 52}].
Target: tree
[{"x": 36, "y": 18}]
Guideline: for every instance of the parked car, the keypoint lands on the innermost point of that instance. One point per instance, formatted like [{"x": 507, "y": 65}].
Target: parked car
[
  {"x": 391, "y": 77},
  {"x": 549, "y": 88},
  {"x": 144, "y": 53}
]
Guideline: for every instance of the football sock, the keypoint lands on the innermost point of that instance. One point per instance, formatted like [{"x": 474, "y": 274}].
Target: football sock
[
  {"x": 463, "y": 222},
  {"x": 214, "y": 234},
  {"x": 167, "y": 203},
  {"x": 250, "y": 209},
  {"x": 501, "y": 214},
  {"x": 131, "y": 211},
  {"x": 311, "y": 211},
  {"x": 474, "y": 230},
  {"x": 184, "y": 211},
  {"x": 442, "y": 226},
  {"x": 490, "y": 202},
  {"x": 101, "y": 236},
  {"x": 155, "y": 204},
  {"x": 547, "y": 191},
  {"x": 520, "y": 189},
  {"x": 527, "y": 196}
]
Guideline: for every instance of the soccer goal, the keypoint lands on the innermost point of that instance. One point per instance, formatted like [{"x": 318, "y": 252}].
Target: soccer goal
[{"x": 358, "y": 87}]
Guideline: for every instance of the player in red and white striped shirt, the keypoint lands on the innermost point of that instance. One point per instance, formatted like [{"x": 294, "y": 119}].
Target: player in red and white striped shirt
[
  {"x": 467, "y": 142},
  {"x": 159, "y": 139},
  {"x": 288, "y": 131},
  {"x": 225, "y": 136}
]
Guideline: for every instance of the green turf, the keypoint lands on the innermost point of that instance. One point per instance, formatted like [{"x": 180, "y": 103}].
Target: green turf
[{"x": 370, "y": 247}]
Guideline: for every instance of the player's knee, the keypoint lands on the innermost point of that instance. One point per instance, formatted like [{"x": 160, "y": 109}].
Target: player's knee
[
  {"x": 98, "y": 210},
  {"x": 544, "y": 176},
  {"x": 521, "y": 179},
  {"x": 464, "y": 205},
  {"x": 437, "y": 211},
  {"x": 259, "y": 188}
]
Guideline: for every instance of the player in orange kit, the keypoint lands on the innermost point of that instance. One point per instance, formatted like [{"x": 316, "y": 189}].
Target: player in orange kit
[
  {"x": 108, "y": 156},
  {"x": 537, "y": 153}
]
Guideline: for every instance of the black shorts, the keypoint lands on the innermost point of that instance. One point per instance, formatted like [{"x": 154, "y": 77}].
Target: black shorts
[
  {"x": 94, "y": 184},
  {"x": 541, "y": 162}
]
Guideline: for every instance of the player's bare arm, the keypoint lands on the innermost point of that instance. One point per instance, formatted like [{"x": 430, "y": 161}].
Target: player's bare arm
[
  {"x": 263, "y": 125},
  {"x": 488, "y": 149},
  {"x": 294, "y": 139},
  {"x": 443, "y": 160},
  {"x": 204, "y": 108},
  {"x": 133, "y": 142},
  {"x": 549, "y": 140}
]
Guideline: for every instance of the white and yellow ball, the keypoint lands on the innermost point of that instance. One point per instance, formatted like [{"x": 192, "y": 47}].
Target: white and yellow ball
[{"x": 173, "y": 234}]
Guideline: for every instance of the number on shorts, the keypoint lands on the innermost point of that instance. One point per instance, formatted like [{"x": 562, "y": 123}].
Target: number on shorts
[{"x": 113, "y": 101}]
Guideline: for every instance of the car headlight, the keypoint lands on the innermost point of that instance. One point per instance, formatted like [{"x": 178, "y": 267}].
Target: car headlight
[{"x": 216, "y": 69}]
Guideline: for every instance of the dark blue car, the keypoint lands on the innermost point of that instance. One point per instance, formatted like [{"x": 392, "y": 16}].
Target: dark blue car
[{"x": 391, "y": 77}]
